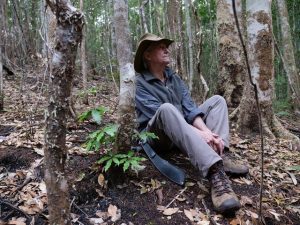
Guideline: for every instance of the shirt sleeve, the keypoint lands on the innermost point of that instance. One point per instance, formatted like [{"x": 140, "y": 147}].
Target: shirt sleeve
[
  {"x": 146, "y": 104},
  {"x": 190, "y": 109}
]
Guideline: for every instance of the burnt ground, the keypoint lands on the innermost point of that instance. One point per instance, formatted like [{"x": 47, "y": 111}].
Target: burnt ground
[{"x": 140, "y": 196}]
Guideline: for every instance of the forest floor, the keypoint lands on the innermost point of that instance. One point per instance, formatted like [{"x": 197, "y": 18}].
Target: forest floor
[{"x": 143, "y": 197}]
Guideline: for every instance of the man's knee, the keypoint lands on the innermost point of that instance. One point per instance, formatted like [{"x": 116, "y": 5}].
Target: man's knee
[
  {"x": 169, "y": 112},
  {"x": 166, "y": 108},
  {"x": 219, "y": 99}
]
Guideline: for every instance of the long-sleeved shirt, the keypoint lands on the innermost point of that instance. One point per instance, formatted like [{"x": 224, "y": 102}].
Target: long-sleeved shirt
[{"x": 152, "y": 92}]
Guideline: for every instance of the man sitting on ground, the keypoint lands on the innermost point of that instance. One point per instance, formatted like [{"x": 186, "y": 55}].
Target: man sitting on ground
[{"x": 164, "y": 107}]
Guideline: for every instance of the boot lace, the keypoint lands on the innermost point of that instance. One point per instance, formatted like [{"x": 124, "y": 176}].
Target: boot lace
[{"x": 220, "y": 183}]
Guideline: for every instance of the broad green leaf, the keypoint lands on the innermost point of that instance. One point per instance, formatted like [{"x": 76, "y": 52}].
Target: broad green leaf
[
  {"x": 96, "y": 116},
  {"x": 116, "y": 161},
  {"x": 297, "y": 167},
  {"x": 120, "y": 156},
  {"x": 126, "y": 165},
  {"x": 111, "y": 129},
  {"x": 103, "y": 159},
  {"x": 108, "y": 165},
  {"x": 84, "y": 116}
]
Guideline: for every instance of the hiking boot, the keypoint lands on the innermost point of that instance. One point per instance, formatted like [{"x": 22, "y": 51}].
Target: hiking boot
[
  {"x": 234, "y": 166},
  {"x": 224, "y": 199}
]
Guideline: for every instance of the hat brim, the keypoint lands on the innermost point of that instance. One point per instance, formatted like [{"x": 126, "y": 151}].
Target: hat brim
[{"x": 143, "y": 45}]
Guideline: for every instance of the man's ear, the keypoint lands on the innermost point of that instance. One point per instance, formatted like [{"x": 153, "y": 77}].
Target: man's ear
[{"x": 146, "y": 56}]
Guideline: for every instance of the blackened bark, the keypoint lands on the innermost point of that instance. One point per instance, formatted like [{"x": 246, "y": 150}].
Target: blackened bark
[{"x": 68, "y": 36}]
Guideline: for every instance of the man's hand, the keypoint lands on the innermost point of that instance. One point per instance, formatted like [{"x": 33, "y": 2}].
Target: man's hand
[{"x": 211, "y": 138}]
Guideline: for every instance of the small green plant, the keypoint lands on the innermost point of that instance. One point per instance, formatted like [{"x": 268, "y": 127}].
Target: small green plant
[
  {"x": 96, "y": 114},
  {"x": 128, "y": 160},
  {"x": 103, "y": 137}
]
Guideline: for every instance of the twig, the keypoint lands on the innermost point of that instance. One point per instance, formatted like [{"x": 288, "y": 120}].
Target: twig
[
  {"x": 208, "y": 213},
  {"x": 14, "y": 207},
  {"x": 258, "y": 112},
  {"x": 183, "y": 190},
  {"x": 77, "y": 207}
]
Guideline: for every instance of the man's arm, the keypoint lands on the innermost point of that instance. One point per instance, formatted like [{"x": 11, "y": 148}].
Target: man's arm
[{"x": 211, "y": 138}]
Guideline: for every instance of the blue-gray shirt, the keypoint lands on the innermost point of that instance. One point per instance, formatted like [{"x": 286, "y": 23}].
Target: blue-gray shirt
[{"x": 152, "y": 92}]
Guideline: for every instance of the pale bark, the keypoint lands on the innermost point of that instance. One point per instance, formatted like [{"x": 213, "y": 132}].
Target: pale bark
[
  {"x": 143, "y": 17},
  {"x": 68, "y": 36},
  {"x": 261, "y": 55},
  {"x": 190, "y": 44},
  {"x": 232, "y": 69},
  {"x": 83, "y": 62},
  {"x": 2, "y": 34},
  {"x": 127, "y": 77},
  {"x": 289, "y": 62}
]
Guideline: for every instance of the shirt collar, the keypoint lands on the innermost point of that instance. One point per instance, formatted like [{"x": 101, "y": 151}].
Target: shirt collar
[{"x": 149, "y": 76}]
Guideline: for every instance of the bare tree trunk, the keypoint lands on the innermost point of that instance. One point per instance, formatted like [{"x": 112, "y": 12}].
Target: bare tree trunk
[
  {"x": 190, "y": 44},
  {"x": 143, "y": 17},
  {"x": 261, "y": 55},
  {"x": 83, "y": 62},
  {"x": 68, "y": 36},
  {"x": 2, "y": 36},
  {"x": 289, "y": 62},
  {"x": 127, "y": 77},
  {"x": 232, "y": 69}
]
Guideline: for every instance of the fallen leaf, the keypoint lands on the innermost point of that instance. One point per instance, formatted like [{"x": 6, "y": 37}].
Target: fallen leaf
[
  {"x": 293, "y": 177},
  {"x": 159, "y": 196},
  {"x": 160, "y": 208},
  {"x": 276, "y": 215},
  {"x": 17, "y": 221},
  {"x": 80, "y": 177},
  {"x": 170, "y": 211},
  {"x": 101, "y": 180},
  {"x": 189, "y": 184},
  {"x": 189, "y": 214},
  {"x": 114, "y": 213},
  {"x": 96, "y": 221},
  {"x": 246, "y": 200}
]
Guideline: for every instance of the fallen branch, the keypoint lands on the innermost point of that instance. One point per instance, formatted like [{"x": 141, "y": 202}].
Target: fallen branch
[
  {"x": 15, "y": 208},
  {"x": 211, "y": 219},
  {"x": 183, "y": 190}
]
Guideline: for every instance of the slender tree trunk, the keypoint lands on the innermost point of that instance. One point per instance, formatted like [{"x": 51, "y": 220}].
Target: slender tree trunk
[
  {"x": 190, "y": 44},
  {"x": 127, "y": 77},
  {"x": 2, "y": 37},
  {"x": 232, "y": 69},
  {"x": 68, "y": 36},
  {"x": 83, "y": 62},
  {"x": 143, "y": 17},
  {"x": 261, "y": 57},
  {"x": 289, "y": 62}
]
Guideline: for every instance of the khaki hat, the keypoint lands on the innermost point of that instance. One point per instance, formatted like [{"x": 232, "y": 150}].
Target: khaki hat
[{"x": 143, "y": 44}]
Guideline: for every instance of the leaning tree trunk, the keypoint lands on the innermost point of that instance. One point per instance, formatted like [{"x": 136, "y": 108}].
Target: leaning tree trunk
[
  {"x": 68, "y": 36},
  {"x": 288, "y": 55},
  {"x": 127, "y": 77},
  {"x": 261, "y": 55},
  {"x": 232, "y": 69}
]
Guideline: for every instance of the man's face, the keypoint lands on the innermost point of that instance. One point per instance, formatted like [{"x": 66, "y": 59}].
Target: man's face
[{"x": 158, "y": 52}]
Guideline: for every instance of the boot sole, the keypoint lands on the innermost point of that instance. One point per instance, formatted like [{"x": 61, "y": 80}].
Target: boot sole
[{"x": 229, "y": 207}]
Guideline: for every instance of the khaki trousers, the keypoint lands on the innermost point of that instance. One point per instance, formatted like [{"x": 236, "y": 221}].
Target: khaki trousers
[{"x": 172, "y": 129}]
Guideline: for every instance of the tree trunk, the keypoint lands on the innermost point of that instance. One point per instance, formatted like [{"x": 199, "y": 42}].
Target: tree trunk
[
  {"x": 288, "y": 55},
  {"x": 190, "y": 44},
  {"x": 261, "y": 55},
  {"x": 68, "y": 37},
  {"x": 127, "y": 77},
  {"x": 83, "y": 62},
  {"x": 232, "y": 69},
  {"x": 143, "y": 17},
  {"x": 2, "y": 37}
]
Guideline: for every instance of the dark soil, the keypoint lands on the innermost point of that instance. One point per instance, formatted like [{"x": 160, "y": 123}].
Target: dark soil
[{"x": 135, "y": 207}]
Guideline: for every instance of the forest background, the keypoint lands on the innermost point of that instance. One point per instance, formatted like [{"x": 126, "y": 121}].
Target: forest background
[{"x": 207, "y": 54}]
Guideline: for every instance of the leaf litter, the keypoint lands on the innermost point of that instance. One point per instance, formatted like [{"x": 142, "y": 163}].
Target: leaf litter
[{"x": 281, "y": 197}]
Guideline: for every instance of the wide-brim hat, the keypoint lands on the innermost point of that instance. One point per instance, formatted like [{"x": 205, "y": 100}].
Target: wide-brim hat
[{"x": 143, "y": 44}]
